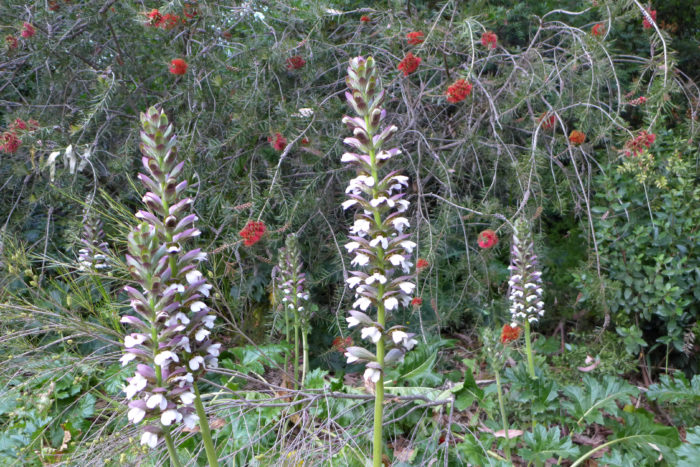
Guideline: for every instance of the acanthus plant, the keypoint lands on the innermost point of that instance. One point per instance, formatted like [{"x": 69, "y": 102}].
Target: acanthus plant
[
  {"x": 172, "y": 342},
  {"x": 378, "y": 239},
  {"x": 525, "y": 285},
  {"x": 93, "y": 255},
  {"x": 291, "y": 288}
]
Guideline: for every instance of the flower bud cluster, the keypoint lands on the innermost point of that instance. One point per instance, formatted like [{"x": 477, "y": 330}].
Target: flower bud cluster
[
  {"x": 172, "y": 343},
  {"x": 93, "y": 255},
  {"x": 378, "y": 239},
  {"x": 525, "y": 283},
  {"x": 291, "y": 284}
]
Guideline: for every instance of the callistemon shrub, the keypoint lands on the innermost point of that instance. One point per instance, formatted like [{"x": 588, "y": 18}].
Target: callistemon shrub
[
  {"x": 93, "y": 254},
  {"x": 172, "y": 322},
  {"x": 525, "y": 284},
  {"x": 382, "y": 249}
]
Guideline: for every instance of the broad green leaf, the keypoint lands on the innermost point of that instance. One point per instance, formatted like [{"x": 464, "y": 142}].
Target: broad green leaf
[
  {"x": 676, "y": 389},
  {"x": 542, "y": 444},
  {"x": 467, "y": 391},
  {"x": 588, "y": 403},
  {"x": 689, "y": 452}
]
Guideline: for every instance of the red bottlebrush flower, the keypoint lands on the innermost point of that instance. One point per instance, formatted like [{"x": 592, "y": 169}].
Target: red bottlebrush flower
[
  {"x": 489, "y": 40},
  {"x": 422, "y": 264},
  {"x": 459, "y": 91},
  {"x": 18, "y": 124},
  {"x": 295, "y": 62},
  {"x": 415, "y": 37},
  {"x": 639, "y": 143},
  {"x": 598, "y": 30},
  {"x": 417, "y": 301},
  {"x": 252, "y": 232},
  {"x": 646, "y": 23},
  {"x": 168, "y": 21},
  {"x": 341, "y": 345},
  {"x": 279, "y": 142},
  {"x": 28, "y": 30},
  {"x": 189, "y": 10},
  {"x": 409, "y": 64},
  {"x": 305, "y": 141},
  {"x": 10, "y": 142},
  {"x": 154, "y": 17},
  {"x": 548, "y": 120},
  {"x": 11, "y": 42},
  {"x": 509, "y": 333},
  {"x": 487, "y": 239},
  {"x": 365, "y": 19},
  {"x": 33, "y": 124},
  {"x": 178, "y": 66},
  {"x": 638, "y": 101},
  {"x": 53, "y": 5},
  {"x": 577, "y": 137}
]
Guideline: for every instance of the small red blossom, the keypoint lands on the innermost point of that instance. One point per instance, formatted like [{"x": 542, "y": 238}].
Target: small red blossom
[
  {"x": 365, "y": 19},
  {"x": 548, "y": 120},
  {"x": 10, "y": 142},
  {"x": 646, "y": 23},
  {"x": 252, "y": 232},
  {"x": 417, "y": 301},
  {"x": 154, "y": 17},
  {"x": 28, "y": 30},
  {"x": 415, "y": 37},
  {"x": 178, "y": 66},
  {"x": 53, "y": 5},
  {"x": 577, "y": 137},
  {"x": 509, "y": 333},
  {"x": 305, "y": 141},
  {"x": 341, "y": 345},
  {"x": 168, "y": 21},
  {"x": 598, "y": 30},
  {"x": 18, "y": 124},
  {"x": 639, "y": 143},
  {"x": 487, "y": 239},
  {"x": 189, "y": 10},
  {"x": 295, "y": 62},
  {"x": 459, "y": 91},
  {"x": 489, "y": 40},
  {"x": 409, "y": 64},
  {"x": 422, "y": 264},
  {"x": 279, "y": 142},
  {"x": 11, "y": 42},
  {"x": 638, "y": 101}
]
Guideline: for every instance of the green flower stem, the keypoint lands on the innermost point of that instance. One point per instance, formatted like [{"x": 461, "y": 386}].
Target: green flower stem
[
  {"x": 503, "y": 411},
  {"x": 204, "y": 428},
  {"x": 379, "y": 391},
  {"x": 305, "y": 347},
  {"x": 296, "y": 347},
  {"x": 174, "y": 462},
  {"x": 528, "y": 350}
]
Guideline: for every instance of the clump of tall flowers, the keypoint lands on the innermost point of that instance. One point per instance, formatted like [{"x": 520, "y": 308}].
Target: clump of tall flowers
[
  {"x": 381, "y": 247},
  {"x": 525, "y": 285},
  {"x": 172, "y": 340},
  {"x": 291, "y": 287}
]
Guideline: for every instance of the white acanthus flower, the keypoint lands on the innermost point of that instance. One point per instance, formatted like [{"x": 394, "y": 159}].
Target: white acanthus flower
[
  {"x": 360, "y": 227},
  {"x": 156, "y": 400},
  {"x": 408, "y": 245},
  {"x": 352, "y": 281},
  {"x": 371, "y": 332},
  {"x": 137, "y": 384},
  {"x": 400, "y": 223},
  {"x": 380, "y": 239},
  {"x": 193, "y": 276},
  {"x": 398, "y": 336},
  {"x": 187, "y": 398},
  {"x": 391, "y": 303},
  {"x": 352, "y": 246},
  {"x": 190, "y": 420},
  {"x": 163, "y": 358},
  {"x": 198, "y": 306},
  {"x": 352, "y": 321},
  {"x": 360, "y": 260},
  {"x": 134, "y": 339},
  {"x": 149, "y": 439},
  {"x": 362, "y": 303},
  {"x": 376, "y": 277},
  {"x": 351, "y": 358},
  {"x": 372, "y": 374},
  {"x": 347, "y": 204},
  {"x": 170, "y": 416},
  {"x": 126, "y": 358},
  {"x": 407, "y": 287},
  {"x": 136, "y": 414}
]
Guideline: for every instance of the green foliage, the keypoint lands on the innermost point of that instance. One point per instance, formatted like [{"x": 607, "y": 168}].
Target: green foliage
[
  {"x": 589, "y": 402},
  {"x": 542, "y": 444}
]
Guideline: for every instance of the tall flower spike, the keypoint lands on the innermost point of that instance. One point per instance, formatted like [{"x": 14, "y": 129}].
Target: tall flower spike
[
  {"x": 381, "y": 246},
  {"x": 293, "y": 296},
  {"x": 93, "y": 255},
  {"x": 525, "y": 284},
  {"x": 172, "y": 323}
]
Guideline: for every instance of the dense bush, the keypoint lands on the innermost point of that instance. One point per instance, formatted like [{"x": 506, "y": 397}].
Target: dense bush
[{"x": 575, "y": 122}]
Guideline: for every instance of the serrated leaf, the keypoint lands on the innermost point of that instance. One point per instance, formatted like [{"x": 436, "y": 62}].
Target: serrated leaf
[
  {"x": 467, "y": 391},
  {"x": 588, "y": 403},
  {"x": 421, "y": 369},
  {"x": 676, "y": 389},
  {"x": 542, "y": 444},
  {"x": 689, "y": 452}
]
